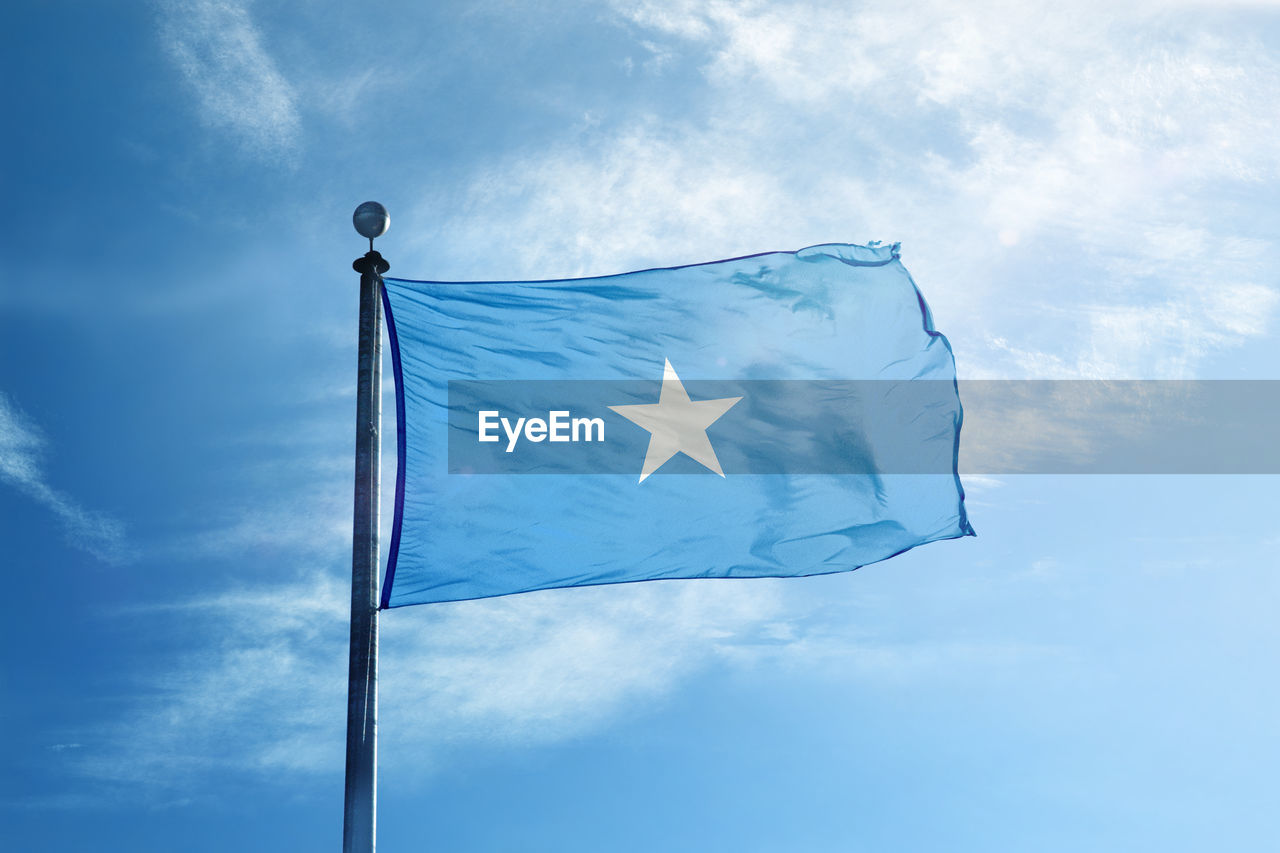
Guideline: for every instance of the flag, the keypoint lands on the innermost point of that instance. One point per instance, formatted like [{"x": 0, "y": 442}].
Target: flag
[{"x": 776, "y": 415}]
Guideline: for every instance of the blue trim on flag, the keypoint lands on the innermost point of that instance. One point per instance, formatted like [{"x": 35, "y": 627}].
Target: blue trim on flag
[
  {"x": 927, "y": 317},
  {"x": 894, "y": 250},
  {"x": 396, "y": 524},
  {"x": 840, "y": 571}
]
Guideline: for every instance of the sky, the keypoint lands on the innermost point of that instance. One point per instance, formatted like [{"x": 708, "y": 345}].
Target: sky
[{"x": 1081, "y": 190}]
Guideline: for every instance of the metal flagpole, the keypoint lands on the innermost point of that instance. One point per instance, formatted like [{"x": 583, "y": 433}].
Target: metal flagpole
[{"x": 359, "y": 821}]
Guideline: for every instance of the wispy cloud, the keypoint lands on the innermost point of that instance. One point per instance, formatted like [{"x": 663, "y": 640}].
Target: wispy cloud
[
  {"x": 21, "y": 447},
  {"x": 308, "y": 528},
  {"x": 220, "y": 53},
  {"x": 526, "y": 669},
  {"x": 269, "y": 698}
]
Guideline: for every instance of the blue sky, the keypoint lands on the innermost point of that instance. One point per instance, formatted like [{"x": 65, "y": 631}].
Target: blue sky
[{"x": 1081, "y": 192}]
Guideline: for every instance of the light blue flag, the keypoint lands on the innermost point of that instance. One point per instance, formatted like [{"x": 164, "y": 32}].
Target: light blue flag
[{"x": 783, "y": 414}]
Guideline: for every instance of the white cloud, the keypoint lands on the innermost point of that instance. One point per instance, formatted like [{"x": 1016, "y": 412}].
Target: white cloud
[
  {"x": 542, "y": 667},
  {"x": 625, "y": 198},
  {"x": 220, "y": 53},
  {"x": 1078, "y": 190},
  {"x": 682, "y": 17},
  {"x": 21, "y": 449}
]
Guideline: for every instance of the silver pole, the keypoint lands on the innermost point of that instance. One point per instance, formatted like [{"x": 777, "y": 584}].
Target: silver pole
[{"x": 359, "y": 824}]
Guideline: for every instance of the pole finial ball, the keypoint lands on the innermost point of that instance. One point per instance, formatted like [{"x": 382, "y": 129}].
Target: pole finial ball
[{"x": 371, "y": 220}]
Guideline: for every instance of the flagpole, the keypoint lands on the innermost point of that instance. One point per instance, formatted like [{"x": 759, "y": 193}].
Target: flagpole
[{"x": 359, "y": 822}]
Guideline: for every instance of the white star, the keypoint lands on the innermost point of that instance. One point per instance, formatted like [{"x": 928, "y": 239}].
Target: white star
[{"x": 677, "y": 424}]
